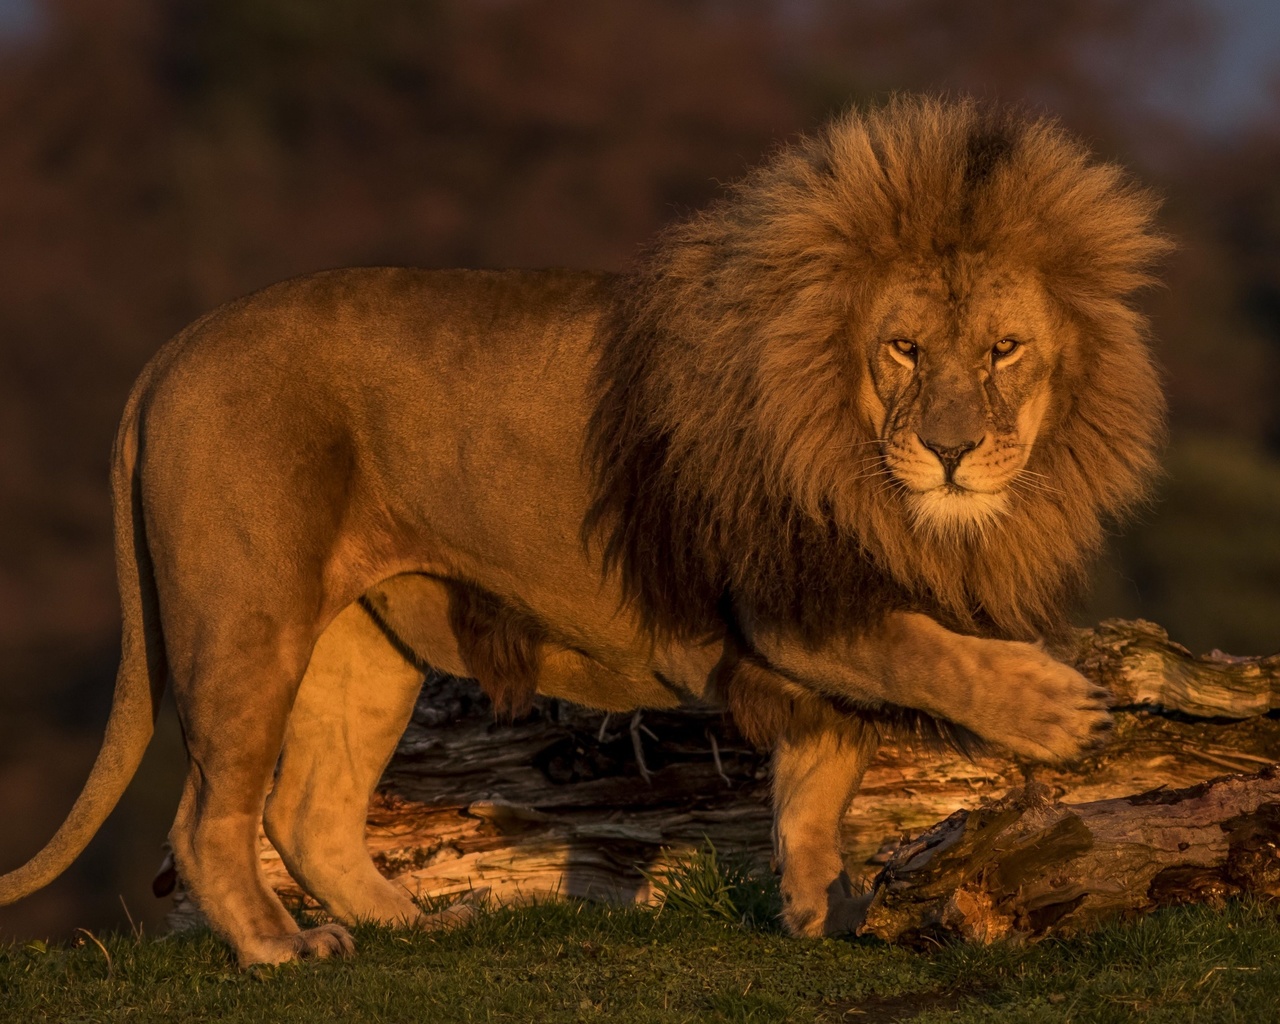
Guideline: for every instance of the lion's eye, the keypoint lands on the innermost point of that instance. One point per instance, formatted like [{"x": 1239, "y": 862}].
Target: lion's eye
[
  {"x": 1003, "y": 348},
  {"x": 906, "y": 349}
]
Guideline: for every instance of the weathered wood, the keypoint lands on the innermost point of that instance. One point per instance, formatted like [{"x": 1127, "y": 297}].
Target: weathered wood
[
  {"x": 557, "y": 803},
  {"x": 1142, "y": 667},
  {"x": 1027, "y": 867}
]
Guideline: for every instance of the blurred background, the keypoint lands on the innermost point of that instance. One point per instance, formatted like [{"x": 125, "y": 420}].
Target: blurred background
[{"x": 158, "y": 157}]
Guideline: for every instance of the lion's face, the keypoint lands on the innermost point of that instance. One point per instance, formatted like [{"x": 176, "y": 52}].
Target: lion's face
[{"x": 960, "y": 361}]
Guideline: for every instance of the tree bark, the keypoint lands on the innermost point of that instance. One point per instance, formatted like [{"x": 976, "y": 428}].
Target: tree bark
[
  {"x": 1026, "y": 867},
  {"x": 1143, "y": 668}
]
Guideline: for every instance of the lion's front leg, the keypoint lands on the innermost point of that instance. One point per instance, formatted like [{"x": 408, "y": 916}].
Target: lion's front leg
[
  {"x": 1009, "y": 693},
  {"x": 815, "y": 775}
]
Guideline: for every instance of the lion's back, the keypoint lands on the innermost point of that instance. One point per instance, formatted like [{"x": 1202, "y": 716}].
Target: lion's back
[
  {"x": 359, "y": 342},
  {"x": 437, "y": 392}
]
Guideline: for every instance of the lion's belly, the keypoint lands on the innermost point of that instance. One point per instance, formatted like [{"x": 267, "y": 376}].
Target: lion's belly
[
  {"x": 596, "y": 652},
  {"x": 571, "y": 676},
  {"x": 623, "y": 670}
]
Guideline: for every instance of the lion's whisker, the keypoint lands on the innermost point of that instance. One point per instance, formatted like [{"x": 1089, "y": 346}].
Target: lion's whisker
[{"x": 1037, "y": 484}]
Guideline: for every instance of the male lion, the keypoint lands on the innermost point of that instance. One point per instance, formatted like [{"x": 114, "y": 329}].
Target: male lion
[{"x": 836, "y": 450}]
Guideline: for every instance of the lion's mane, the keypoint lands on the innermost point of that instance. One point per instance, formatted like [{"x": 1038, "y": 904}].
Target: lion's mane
[{"x": 728, "y": 445}]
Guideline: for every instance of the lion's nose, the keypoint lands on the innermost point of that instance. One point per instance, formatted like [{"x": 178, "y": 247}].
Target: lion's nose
[{"x": 949, "y": 454}]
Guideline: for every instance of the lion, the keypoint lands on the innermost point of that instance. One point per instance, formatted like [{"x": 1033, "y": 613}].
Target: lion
[{"x": 835, "y": 453}]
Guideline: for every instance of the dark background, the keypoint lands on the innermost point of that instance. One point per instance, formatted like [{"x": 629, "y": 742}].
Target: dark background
[{"x": 160, "y": 156}]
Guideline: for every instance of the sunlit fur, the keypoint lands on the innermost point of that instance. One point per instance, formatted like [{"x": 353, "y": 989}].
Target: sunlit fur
[{"x": 735, "y": 443}]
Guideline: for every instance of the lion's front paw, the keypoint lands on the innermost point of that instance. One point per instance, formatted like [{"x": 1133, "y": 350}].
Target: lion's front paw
[
  {"x": 1040, "y": 708},
  {"x": 815, "y": 911}
]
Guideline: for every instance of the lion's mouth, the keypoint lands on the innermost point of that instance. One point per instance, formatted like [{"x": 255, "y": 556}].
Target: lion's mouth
[{"x": 969, "y": 490}]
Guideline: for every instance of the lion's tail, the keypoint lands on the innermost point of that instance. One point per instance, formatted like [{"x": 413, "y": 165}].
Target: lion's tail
[{"x": 139, "y": 682}]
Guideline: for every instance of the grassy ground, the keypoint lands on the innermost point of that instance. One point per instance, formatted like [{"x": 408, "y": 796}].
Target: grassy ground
[{"x": 710, "y": 955}]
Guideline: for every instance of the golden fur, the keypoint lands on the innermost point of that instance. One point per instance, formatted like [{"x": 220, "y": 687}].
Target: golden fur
[
  {"x": 731, "y": 437},
  {"x": 837, "y": 448}
]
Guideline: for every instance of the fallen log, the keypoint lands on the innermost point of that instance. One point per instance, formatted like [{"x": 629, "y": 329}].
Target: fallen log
[
  {"x": 577, "y": 803},
  {"x": 1025, "y": 867},
  {"x": 1142, "y": 667}
]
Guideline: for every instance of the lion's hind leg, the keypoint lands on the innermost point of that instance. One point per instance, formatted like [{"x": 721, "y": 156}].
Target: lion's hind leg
[
  {"x": 351, "y": 709},
  {"x": 233, "y": 714}
]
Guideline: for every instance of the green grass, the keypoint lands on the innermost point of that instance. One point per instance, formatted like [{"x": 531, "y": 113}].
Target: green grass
[{"x": 709, "y": 954}]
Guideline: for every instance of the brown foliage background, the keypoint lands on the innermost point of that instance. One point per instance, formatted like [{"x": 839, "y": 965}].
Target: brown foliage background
[{"x": 157, "y": 158}]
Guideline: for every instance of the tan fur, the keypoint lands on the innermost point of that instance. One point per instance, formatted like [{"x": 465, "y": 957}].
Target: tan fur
[{"x": 711, "y": 479}]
